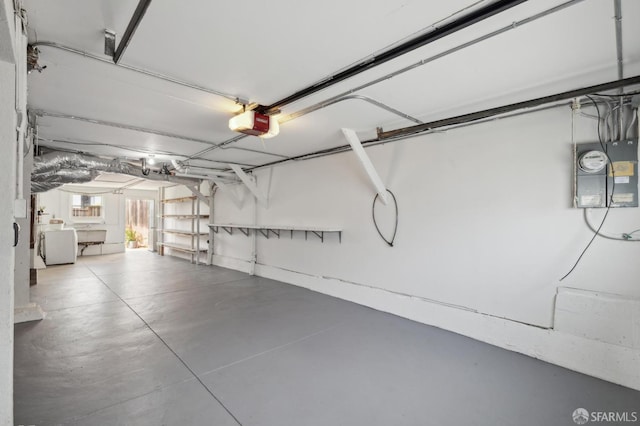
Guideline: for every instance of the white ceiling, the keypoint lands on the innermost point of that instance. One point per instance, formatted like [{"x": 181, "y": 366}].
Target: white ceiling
[{"x": 264, "y": 51}]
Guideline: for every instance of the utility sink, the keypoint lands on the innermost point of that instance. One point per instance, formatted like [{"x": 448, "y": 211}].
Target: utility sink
[
  {"x": 95, "y": 236},
  {"x": 91, "y": 237}
]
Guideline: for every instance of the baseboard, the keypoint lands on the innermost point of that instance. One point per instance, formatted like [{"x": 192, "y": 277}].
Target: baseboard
[
  {"x": 609, "y": 362},
  {"x": 231, "y": 263}
]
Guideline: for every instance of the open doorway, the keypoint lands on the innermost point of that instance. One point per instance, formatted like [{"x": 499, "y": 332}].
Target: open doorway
[{"x": 140, "y": 224}]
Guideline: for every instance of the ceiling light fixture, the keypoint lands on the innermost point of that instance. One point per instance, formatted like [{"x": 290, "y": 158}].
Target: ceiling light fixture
[
  {"x": 254, "y": 123},
  {"x": 151, "y": 160}
]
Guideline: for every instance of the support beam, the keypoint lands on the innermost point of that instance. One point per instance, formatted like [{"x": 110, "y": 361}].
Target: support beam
[
  {"x": 197, "y": 193},
  {"x": 356, "y": 145},
  {"x": 250, "y": 183},
  {"x": 141, "y": 9}
]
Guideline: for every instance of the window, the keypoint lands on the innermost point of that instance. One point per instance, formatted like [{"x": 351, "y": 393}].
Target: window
[{"x": 86, "y": 206}]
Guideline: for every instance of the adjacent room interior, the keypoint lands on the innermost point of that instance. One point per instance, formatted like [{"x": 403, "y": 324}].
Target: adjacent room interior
[{"x": 343, "y": 213}]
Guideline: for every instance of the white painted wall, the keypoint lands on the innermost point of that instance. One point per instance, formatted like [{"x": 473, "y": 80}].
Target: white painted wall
[
  {"x": 25, "y": 310},
  {"x": 58, "y": 204},
  {"x": 23, "y": 250},
  {"x": 7, "y": 184},
  {"x": 486, "y": 230}
]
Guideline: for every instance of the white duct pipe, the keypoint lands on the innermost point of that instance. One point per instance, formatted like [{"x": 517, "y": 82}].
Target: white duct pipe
[
  {"x": 55, "y": 160},
  {"x": 63, "y": 163}
]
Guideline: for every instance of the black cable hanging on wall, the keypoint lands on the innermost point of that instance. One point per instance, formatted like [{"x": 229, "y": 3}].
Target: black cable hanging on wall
[
  {"x": 373, "y": 216},
  {"x": 606, "y": 213}
]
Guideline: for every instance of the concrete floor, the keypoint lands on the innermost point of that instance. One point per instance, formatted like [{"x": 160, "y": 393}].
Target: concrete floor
[{"x": 139, "y": 339}]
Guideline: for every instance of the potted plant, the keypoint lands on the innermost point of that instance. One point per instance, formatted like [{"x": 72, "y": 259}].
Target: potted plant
[
  {"x": 140, "y": 240},
  {"x": 131, "y": 238}
]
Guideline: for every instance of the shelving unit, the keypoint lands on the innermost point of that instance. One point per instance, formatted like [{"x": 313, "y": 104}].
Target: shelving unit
[
  {"x": 179, "y": 232},
  {"x": 182, "y": 231},
  {"x": 276, "y": 230}
]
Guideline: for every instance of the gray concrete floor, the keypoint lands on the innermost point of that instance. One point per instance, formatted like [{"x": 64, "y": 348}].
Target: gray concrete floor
[{"x": 139, "y": 339}]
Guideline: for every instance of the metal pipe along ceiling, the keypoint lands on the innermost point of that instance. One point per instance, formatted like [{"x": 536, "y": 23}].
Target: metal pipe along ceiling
[
  {"x": 617, "y": 5},
  {"x": 618, "y": 20},
  {"x": 327, "y": 103},
  {"x": 42, "y": 113},
  {"x": 466, "y": 119},
  {"x": 135, "y": 69},
  {"x": 406, "y": 47}
]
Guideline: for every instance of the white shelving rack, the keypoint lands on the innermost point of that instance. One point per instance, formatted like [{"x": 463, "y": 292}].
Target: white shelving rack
[
  {"x": 276, "y": 230},
  {"x": 182, "y": 228}
]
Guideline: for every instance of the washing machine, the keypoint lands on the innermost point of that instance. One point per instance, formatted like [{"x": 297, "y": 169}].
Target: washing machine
[{"x": 60, "y": 246}]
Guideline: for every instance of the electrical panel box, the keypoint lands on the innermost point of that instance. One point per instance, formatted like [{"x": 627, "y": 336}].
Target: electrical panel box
[
  {"x": 599, "y": 183},
  {"x": 622, "y": 180},
  {"x": 591, "y": 182}
]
